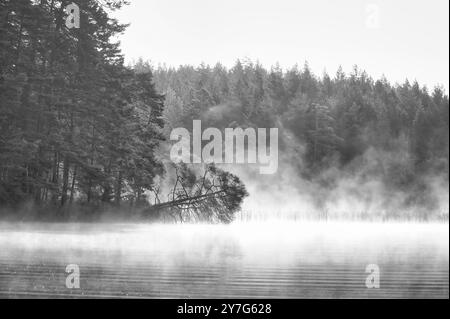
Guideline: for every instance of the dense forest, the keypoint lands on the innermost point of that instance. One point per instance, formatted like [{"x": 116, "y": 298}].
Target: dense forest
[
  {"x": 76, "y": 125},
  {"x": 333, "y": 128},
  {"x": 80, "y": 132}
]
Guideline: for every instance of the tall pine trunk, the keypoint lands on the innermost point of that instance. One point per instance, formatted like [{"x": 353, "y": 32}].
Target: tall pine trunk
[
  {"x": 118, "y": 192},
  {"x": 65, "y": 181}
]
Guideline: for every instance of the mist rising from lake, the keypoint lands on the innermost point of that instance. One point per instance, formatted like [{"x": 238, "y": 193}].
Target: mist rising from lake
[{"x": 268, "y": 259}]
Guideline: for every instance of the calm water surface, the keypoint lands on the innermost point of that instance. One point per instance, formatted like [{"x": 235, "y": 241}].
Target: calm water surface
[{"x": 256, "y": 260}]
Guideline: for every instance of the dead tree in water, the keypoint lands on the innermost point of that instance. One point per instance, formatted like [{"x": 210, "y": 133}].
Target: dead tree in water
[{"x": 213, "y": 197}]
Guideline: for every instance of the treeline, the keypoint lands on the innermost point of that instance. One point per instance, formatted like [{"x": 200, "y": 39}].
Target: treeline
[
  {"x": 333, "y": 121},
  {"x": 75, "y": 124}
]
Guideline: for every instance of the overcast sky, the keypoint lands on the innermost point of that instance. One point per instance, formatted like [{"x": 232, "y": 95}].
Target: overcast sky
[{"x": 398, "y": 38}]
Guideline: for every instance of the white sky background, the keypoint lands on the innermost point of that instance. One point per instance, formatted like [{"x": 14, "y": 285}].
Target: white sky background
[{"x": 410, "y": 41}]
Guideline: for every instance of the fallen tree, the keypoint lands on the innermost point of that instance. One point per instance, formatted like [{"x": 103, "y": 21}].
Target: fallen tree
[{"x": 212, "y": 197}]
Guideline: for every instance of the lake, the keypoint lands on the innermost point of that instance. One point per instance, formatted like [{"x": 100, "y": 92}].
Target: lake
[{"x": 272, "y": 259}]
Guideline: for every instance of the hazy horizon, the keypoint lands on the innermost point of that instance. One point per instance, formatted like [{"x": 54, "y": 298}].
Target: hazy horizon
[{"x": 401, "y": 40}]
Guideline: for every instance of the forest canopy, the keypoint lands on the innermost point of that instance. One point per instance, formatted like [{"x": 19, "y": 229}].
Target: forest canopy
[
  {"x": 333, "y": 128},
  {"x": 77, "y": 127}
]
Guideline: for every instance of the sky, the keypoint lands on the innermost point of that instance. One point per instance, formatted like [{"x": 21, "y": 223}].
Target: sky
[{"x": 396, "y": 38}]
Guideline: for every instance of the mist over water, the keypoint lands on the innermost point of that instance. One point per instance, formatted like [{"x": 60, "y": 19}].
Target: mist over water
[
  {"x": 359, "y": 194},
  {"x": 239, "y": 260},
  {"x": 296, "y": 237}
]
